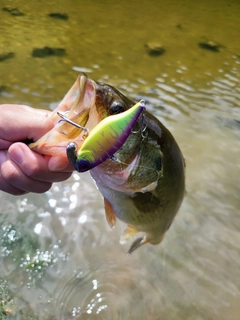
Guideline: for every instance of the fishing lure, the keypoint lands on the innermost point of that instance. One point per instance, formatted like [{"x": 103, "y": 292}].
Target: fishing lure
[{"x": 104, "y": 139}]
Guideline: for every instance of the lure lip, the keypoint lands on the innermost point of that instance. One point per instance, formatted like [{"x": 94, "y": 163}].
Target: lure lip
[{"x": 83, "y": 160}]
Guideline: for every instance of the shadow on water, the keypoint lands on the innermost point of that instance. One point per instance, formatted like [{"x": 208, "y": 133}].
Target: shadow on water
[{"x": 59, "y": 260}]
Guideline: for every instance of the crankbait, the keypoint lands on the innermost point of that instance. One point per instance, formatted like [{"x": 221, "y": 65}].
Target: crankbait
[{"x": 104, "y": 139}]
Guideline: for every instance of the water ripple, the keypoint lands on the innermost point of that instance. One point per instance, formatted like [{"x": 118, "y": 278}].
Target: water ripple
[{"x": 106, "y": 293}]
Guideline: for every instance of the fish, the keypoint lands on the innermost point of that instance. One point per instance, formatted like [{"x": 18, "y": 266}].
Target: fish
[{"x": 143, "y": 182}]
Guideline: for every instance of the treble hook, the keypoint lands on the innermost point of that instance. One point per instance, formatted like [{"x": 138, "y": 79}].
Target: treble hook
[
  {"x": 143, "y": 127},
  {"x": 64, "y": 118}
]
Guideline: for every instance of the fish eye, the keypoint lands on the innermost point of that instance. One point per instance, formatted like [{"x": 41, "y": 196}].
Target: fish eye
[{"x": 116, "y": 107}]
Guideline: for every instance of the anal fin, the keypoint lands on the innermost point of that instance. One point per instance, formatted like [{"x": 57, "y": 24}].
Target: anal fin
[{"x": 128, "y": 234}]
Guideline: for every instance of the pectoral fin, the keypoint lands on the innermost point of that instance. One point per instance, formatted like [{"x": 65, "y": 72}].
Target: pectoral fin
[{"x": 110, "y": 214}]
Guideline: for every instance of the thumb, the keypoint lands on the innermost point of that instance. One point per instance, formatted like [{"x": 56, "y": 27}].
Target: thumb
[{"x": 23, "y": 123}]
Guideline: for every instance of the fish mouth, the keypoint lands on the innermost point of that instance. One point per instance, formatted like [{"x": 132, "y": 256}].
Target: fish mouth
[{"x": 78, "y": 106}]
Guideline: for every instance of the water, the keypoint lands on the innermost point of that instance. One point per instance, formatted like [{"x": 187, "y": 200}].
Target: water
[{"x": 59, "y": 259}]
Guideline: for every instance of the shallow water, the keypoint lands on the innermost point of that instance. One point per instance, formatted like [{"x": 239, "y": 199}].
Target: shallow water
[{"x": 59, "y": 259}]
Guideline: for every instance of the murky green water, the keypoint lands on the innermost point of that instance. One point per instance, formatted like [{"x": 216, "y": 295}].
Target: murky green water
[{"x": 59, "y": 260}]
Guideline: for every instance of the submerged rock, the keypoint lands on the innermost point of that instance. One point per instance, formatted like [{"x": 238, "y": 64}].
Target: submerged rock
[
  {"x": 57, "y": 15},
  {"x": 48, "y": 51},
  {"x": 5, "y": 56},
  {"x": 210, "y": 45},
  {"x": 3, "y": 88},
  {"x": 179, "y": 26},
  {"x": 4, "y": 91},
  {"x": 154, "y": 49},
  {"x": 13, "y": 11}
]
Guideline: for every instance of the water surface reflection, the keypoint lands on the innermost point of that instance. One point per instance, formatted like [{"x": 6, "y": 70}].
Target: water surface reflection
[{"x": 59, "y": 259}]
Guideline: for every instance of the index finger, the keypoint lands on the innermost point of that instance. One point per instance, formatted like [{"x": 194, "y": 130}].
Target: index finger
[{"x": 35, "y": 165}]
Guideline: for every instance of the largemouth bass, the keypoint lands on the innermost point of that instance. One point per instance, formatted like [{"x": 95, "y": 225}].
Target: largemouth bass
[{"x": 143, "y": 183}]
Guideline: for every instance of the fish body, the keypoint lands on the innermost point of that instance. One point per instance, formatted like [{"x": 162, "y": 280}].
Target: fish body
[
  {"x": 147, "y": 191},
  {"x": 143, "y": 183}
]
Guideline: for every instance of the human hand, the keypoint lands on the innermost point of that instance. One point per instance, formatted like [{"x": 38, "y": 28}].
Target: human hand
[{"x": 21, "y": 169}]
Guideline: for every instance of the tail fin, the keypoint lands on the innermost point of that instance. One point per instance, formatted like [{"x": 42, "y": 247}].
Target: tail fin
[{"x": 141, "y": 241}]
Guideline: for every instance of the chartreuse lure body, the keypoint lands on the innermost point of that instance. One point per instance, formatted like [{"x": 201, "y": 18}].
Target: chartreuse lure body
[{"x": 104, "y": 139}]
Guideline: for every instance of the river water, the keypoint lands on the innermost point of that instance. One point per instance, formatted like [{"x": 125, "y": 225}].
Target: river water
[{"x": 59, "y": 259}]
